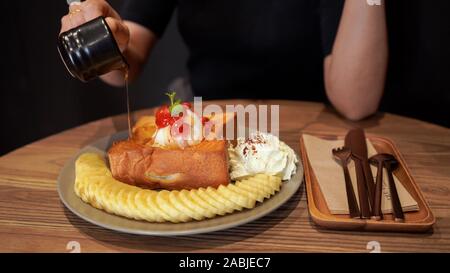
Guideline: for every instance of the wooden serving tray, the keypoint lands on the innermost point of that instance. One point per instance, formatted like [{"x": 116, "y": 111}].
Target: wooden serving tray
[{"x": 417, "y": 221}]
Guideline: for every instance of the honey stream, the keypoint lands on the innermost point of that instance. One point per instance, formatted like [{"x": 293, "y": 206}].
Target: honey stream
[{"x": 128, "y": 102}]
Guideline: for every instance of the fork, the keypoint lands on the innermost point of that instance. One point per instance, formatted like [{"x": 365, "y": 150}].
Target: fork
[{"x": 343, "y": 155}]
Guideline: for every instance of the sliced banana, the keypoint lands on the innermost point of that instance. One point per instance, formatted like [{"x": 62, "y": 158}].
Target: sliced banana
[
  {"x": 186, "y": 198},
  {"x": 95, "y": 185},
  {"x": 144, "y": 211},
  {"x": 151, "y": 200},
  {"x": 260, "y": 194},
  {"x": 238, "y": 198},
  {"x": 229, "y": 205},
  {"x": 162, "y": 198},
  {"x": 250, "y": 194},
  {"x": 204, "y": 204},
  {"x": 181, "y": 206},
  {"x": 220, "y": 207}
]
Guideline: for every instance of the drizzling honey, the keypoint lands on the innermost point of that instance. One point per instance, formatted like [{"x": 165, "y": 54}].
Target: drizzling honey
[{"x": 128, "y": 102}]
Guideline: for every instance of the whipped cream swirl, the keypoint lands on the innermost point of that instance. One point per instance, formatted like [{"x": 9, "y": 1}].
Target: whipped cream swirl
[{"x": 262, "y": 153}]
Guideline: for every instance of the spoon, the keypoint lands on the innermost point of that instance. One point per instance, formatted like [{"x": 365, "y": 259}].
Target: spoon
[{"x": 391, "y": 165}]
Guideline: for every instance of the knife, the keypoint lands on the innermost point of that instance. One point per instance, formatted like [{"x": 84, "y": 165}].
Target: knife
[
  {"x": 360, "y": 149},
  {"x": 355, "y": 140}
]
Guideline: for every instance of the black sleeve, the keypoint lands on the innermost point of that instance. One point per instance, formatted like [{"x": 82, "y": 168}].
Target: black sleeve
[
  {"x": 153, "y": 14},
  {"x": 330, "y": 12}
]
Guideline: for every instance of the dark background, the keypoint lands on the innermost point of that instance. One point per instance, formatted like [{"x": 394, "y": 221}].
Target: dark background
[{"x": 39, "y": 98}]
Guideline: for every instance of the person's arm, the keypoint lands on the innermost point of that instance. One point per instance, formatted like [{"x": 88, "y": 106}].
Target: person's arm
[
  {"x": 135, "y": 41},
  {"x": 355, "y": 71}
]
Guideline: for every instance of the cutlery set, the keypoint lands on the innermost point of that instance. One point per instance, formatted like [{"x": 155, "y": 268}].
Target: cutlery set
[{"x": 369, "y": 192}]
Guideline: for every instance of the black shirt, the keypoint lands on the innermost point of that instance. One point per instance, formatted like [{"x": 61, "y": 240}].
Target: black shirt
[{"x": 249, "y": 48}]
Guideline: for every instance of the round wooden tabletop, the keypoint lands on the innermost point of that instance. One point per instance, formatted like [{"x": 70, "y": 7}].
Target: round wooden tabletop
[{"x": 32, "y": 218}]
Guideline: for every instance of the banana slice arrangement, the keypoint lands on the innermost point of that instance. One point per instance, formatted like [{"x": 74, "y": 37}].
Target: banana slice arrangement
[{"x": 95, "y": 185}]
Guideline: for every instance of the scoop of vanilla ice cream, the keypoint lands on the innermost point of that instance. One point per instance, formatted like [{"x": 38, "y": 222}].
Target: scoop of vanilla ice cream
[
  {"x": 162, "y": 137},
  {"x": 261, "y": 153}
]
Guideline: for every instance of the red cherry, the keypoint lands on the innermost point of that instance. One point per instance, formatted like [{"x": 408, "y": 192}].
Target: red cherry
[
  {"x": 162, "y": 123},
  {"x": 163, "y": 116}
]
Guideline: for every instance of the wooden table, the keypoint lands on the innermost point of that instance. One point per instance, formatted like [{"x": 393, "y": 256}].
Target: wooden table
[{"x": 32, "y": 218}]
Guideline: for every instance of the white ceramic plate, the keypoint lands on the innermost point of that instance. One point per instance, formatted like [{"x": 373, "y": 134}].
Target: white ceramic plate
[{"x": 66, "y": 180}]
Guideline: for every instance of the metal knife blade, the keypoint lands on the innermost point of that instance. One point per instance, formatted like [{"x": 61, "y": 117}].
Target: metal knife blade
[{"x": 359, "y": 153}]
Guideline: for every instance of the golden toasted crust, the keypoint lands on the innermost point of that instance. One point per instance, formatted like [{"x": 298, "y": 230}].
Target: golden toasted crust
[
  {"x": 144, "y": 129},
  {"x": 136, "y": 162},
  {"x": 197, "y": 166}
]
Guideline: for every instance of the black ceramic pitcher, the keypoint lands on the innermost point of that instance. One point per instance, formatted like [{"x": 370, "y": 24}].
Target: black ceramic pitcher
[{"x": 90, "y": 50}]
